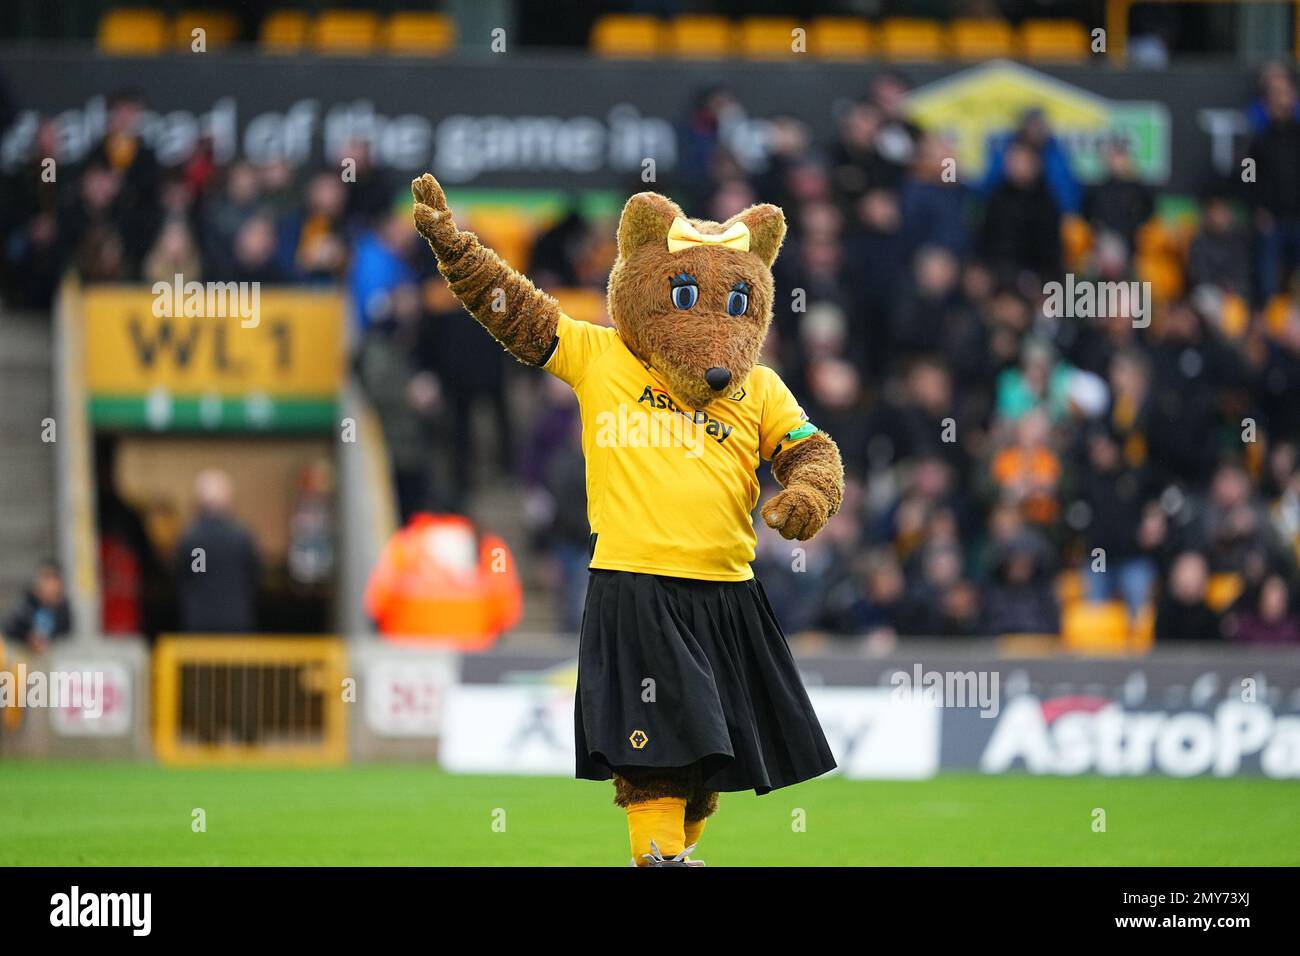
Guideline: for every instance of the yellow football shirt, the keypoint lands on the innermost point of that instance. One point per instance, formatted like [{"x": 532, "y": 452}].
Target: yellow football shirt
[{"x": 670, "y": 489}]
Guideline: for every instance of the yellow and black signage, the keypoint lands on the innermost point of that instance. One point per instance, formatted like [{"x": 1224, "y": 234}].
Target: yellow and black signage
[{"x": 212, "y": 356}]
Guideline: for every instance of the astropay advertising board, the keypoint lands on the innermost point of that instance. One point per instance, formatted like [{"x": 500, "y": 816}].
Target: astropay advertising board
[{"x": 909, "y": 717}]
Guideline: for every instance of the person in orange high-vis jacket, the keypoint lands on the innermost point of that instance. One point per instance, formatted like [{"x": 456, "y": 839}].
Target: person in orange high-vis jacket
[{"x": 440, "y": 581}]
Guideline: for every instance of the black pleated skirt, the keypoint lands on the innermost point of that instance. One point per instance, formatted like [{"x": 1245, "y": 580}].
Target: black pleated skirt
[{"x": 673, "y": 672}]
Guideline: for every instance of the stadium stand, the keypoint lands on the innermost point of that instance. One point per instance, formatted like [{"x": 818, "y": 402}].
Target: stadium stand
[{"x": 927, "y": 304}]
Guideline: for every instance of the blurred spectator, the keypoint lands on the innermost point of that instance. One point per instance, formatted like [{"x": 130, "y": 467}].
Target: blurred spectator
[
  {"x": 926, "y": 303},
  {"x": 1231, "y": 523},
  {"x": 100, "y": 252},
  {"x": 381, "y": 263},
  {"x": 124, "y": 155},
  {"x": 254, "y": 258},
  {"x": 43, "y": 613},
  {"x": 1041, "y": 381},
  {"x": 34, "y": 223},
  {"x": 1035, "y": 134},
  {"x": 1029, "y": 470},
  {"x": 1021, "y": 596},
  {"x": 1122, "y": 526},
  {"x": 314, "y": 242},
  {"x": 1189, "y": 367},
  {"x": 441, "y": 580},
  {"x": 556, "y": 504},
  {"x": 898, "y": 136},
  {"x": 370, "y": 191},
  {"x": 226, "y": 214},
  {"x": 131, "y": 575},
  {"x": 1270, "y": 620},
  {"x": 1220, "y": 252},
  {"x": 405, "y": 396},
  {"x": 1277, "y": 189},
  {"x": 933, "y": 201},
  {"x": 856, "y": 163},
  {"x": 704, "y": 135},
  {"x": 471, "y": 367},
  {"x": 1183, "y": 614},
  {"x": 173, "y": 254},
  {"x": 1119, "y": 204},
  {"x": 558, "y": 250},
  {"x": 218, "y": 571},
  {"x": 1280, "y": 379},
  {"x": 1022, "y": 224},
  {"x": 310, "y": 556}
]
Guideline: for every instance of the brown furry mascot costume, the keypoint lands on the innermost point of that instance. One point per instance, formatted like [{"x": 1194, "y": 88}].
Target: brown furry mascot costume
[{"x": 686, "y": 686}]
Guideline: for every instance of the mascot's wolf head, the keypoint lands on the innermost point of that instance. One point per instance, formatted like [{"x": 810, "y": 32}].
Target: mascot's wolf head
[{"x": 694, "y": 298}]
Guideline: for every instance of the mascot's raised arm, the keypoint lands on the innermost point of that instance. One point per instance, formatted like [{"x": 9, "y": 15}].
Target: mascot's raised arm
[{"x": 686, "y": 686}]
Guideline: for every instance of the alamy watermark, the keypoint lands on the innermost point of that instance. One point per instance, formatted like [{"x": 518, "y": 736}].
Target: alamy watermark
[
  {"x": 1089, "y": 299},
  {"x": 218, "y": 300},
  {"x": 133, "y": 911},
  {"x": 78, "y": 690},
  {"x": 948, "y": 688},
  {"x": 645, "y": 426}
]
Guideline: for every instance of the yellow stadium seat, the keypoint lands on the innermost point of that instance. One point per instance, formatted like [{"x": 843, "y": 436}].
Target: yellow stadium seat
[
  {"x": 1163, "y": 271},
  {"x": 1277, "y": 313},
  {"x": 1069, "y": 587},
  {"x": 345, "y": 32},
  {"x": 509, "y": 233},
  {"x": 972, "y": 39},
  {"x": 1153, "y": 236},
  {"x": 1143, "y": 634},
  {"x": 585, "y": 305},
  {"x": 1090, "y": 628},
  {"x": 284, "y": 31},
  {"x": 1076, "y": 240},
  {"x": 418, "y": 34},
  {"x": 219, "y": 28},
  {"x": 700, "y": 37},
  {"x": 632, "y": 36},
  {"x": 908, "y": 38},
  {"x": 840, "y": 38},
  {"x": 131, "y": 32},
  {"x": 769, "y": 38},
  {"x": 1222, "y": 589},
  {"x": 1234, "y": 319},
  {"x": 1058, "y": 41}
]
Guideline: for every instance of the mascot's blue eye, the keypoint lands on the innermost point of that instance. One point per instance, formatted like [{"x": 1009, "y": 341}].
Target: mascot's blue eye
[
  {"x": 737, "y": 303},
  {"x": 685, "y": 296}
]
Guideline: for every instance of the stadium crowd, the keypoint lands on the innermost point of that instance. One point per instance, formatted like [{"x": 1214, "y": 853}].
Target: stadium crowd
[{"x": 1002, "y": 459}]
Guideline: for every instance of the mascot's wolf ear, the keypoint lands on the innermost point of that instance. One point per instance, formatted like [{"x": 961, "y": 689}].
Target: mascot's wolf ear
[
  {"x": 647, "y": 217},
  {"x": 766, "y": 230}
]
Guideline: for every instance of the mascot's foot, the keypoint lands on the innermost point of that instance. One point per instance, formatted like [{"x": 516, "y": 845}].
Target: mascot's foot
[{"x": 655, "y": 858}]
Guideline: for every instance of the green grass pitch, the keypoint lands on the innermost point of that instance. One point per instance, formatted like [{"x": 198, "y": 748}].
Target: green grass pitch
[{"x": 140, "y": 814}]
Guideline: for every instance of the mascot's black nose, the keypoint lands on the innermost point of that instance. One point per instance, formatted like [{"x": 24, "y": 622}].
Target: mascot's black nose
[{"x": 717, "y": 378}]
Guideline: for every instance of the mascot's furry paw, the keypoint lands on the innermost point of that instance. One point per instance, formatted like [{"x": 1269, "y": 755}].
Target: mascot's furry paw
[
  {"x": 433, "y": 219},
  {"x": 799, "y": 511}
]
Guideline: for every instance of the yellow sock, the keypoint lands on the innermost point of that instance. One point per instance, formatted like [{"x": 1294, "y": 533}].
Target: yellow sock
[
  {"x": 661, "y": 820},
  {"x": 694, "y": 830}
]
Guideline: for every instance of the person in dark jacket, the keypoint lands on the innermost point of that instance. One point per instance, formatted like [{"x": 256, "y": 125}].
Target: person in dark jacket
[
  {"x": 1220, "y": 252},
  {"x": 1022, "y": 225},
  {"x": 1021, "y": 598},
  {"x": 1183, "y": 614},
  {"x": 1119, "y": 203},
  {"x": 218, "y": 568},
  {"x": 1117, "y": 495},
  {"x": 1276, "y": 151},
  {"x": 43, "y": 614}
]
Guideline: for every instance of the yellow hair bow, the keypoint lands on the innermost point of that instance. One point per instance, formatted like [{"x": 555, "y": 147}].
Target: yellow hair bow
[{"x": 682, "y": 235}]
